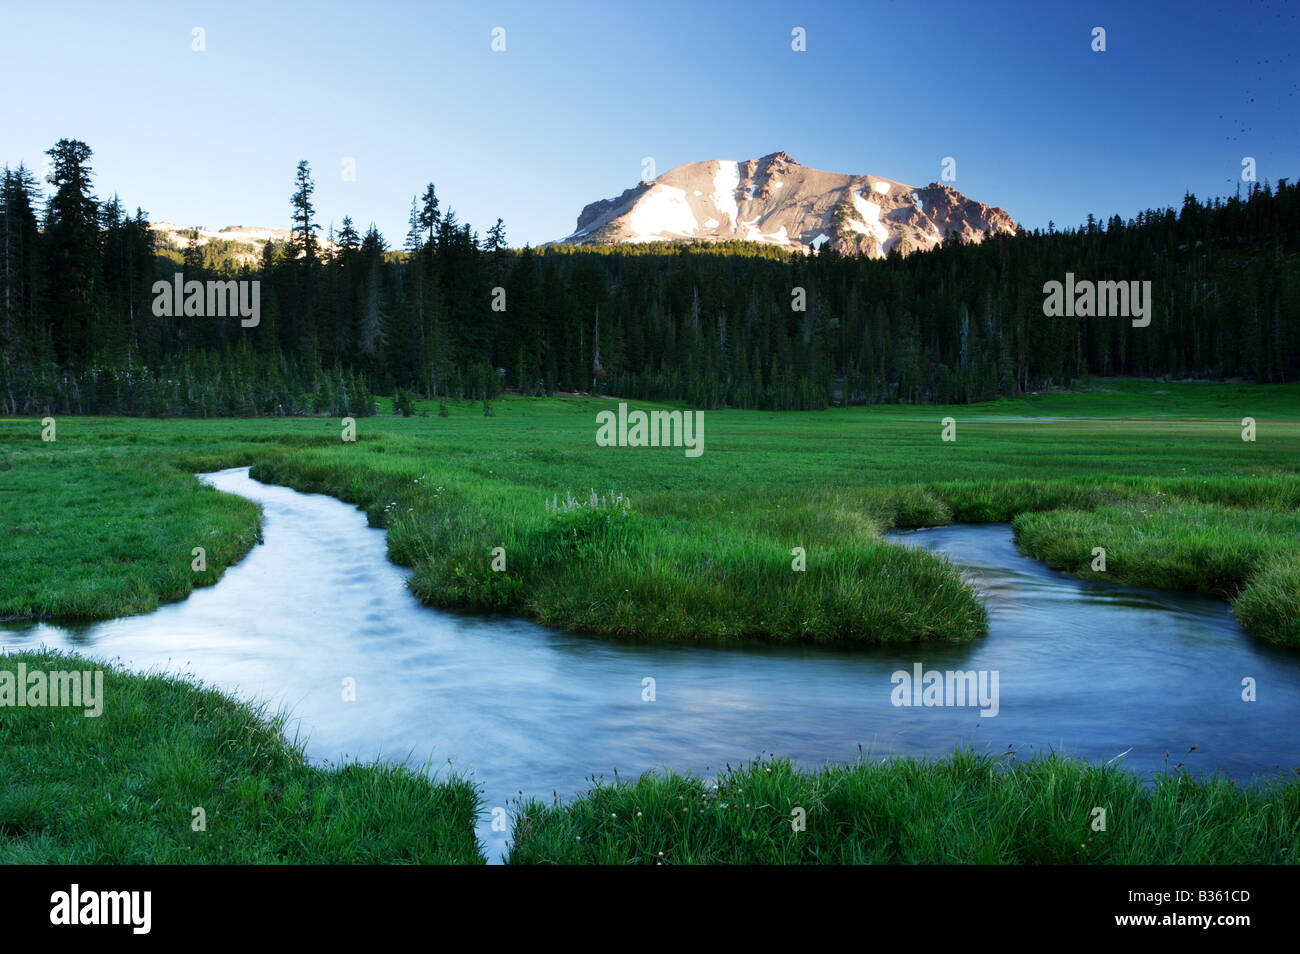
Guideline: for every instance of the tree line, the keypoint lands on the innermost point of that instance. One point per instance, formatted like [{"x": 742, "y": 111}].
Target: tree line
[{"x": 452, "y": 314}]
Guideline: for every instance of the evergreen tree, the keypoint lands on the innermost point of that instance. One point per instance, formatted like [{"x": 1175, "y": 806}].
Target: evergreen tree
[
  {"x": 305, "y": 244},
  {"x": 709, "y": 325},
  {"x": 73, "y": 251}
]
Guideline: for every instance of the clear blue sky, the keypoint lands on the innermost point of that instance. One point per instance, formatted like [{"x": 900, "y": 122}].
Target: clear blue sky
[{"x": 1038, "y": 123}]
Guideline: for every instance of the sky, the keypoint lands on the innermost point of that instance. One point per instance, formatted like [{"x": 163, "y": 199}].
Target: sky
[{"x": 1038, "y": 122}]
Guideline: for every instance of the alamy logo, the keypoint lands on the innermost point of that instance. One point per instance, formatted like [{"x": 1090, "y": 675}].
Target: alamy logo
[
  {"x": 195, "y": 299},
  {"x": 1084, "y": 299},
  {"x": 103, "y": 907},
  {"x": 651, "y": 429},
  {"x": 37, "y": 689},
  {"x": 922, "y": 687}
]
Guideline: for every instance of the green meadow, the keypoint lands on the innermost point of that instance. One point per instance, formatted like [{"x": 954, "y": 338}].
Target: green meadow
[{"x": 104, "y": 520}]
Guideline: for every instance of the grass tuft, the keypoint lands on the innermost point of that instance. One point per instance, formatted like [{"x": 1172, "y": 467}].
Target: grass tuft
[{"x": 967, "y": 808}]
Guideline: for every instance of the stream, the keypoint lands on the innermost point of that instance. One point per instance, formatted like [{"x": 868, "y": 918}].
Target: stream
[{"x": 1086, "y": 668}]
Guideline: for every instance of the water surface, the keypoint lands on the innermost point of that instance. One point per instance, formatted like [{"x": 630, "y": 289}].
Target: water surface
[{"x": 1090, "y": 669}]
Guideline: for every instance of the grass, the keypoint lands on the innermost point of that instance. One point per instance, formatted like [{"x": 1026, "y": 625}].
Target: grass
[
  {"x": 111, "y": 534},
  {"x": 121, "y": 788},
  {"x": 1248, "y": 554},
  {"x": 967, "y": 808},
  {"x": 103, "y": 522},
  {"x": 706, "y": 549},
  {"x": 1270, "y": 602}
]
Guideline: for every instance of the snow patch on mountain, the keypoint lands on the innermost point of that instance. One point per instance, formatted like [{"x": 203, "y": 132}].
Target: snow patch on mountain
[
  {"x": 870, "y": 224},
  {"x": 662, "y": 211},
  {"x": 726, "y": 180}
]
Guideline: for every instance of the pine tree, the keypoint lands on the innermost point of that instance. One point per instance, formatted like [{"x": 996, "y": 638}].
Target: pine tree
[
  {"x": 429, "y": 215},
  {"x": 372, "y": 332},
  {"x": 303, "y": 239},
  {"x": 348, "y": 239},
  {"x": 72, "y": 250},
  {"x": 20, "y": 268},
  {"x": 414, "y": 233}
]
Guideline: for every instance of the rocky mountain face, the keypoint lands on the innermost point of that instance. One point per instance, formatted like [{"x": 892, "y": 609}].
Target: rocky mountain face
[{"x": 775, "y": 200}]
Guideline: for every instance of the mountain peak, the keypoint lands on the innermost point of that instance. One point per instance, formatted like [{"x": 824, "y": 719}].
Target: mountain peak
[{"x": 776, "y": 201}]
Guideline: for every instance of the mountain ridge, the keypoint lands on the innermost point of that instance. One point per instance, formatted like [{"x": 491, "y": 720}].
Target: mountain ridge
[
  {"x": 248, "y": 240},
  {"x": 777, "y": 201}
]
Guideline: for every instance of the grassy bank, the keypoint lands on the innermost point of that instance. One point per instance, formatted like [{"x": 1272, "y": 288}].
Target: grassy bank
[
  {"x": 705, "y": 548},
  {"x": 1250, "y": 555},
  {"x": 964, "y": 809},
  {"x": 122, "y": 787},
  {"x": 100, "y": 531}
]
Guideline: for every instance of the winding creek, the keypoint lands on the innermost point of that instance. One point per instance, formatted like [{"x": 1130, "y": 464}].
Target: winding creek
[{"x": 1090, "y": 669}]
